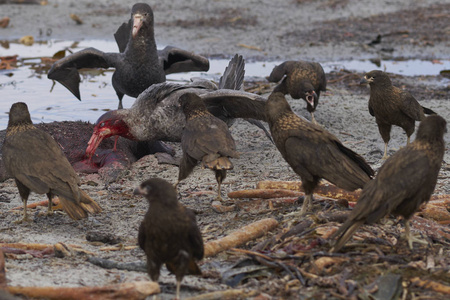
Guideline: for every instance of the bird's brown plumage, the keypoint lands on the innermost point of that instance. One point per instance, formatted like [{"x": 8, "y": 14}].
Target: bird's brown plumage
[
  {"x": 38, "y": 164},
  {"x": 205, "y": 138},
  {"x": 300, "y": 79},
  {"x": 403, "y": 183},
  {"x": 169, "y": 233},
  {"x": 392, "y": 106},
  {"x": 312, "y": 152}
]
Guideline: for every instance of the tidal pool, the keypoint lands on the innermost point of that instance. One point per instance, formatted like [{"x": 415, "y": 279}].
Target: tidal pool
[{"x": 49, "y": 104}]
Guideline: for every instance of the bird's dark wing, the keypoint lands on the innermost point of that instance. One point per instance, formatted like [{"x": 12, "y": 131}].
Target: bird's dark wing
[
  {"x": 371, "y": 112},
  {"x": 65, "y": 70},
  {"x": 312, "y": 152},
  {"x": 233, "y": 76},
  {"x": 195, "y": 236},
  {"x": 141, "y": 236},
  {"x": 235, "y": 104},
  {"x": 409, "y": 105},
  {"x": 122, "y": 36},
  {"x": 320, "y": 76},
  {"x": 279, "y": 71},
  {"x": 36, "y": 160},
  {"x": 400, "y": 177},
  {"x": 175, "y": 60},
  {"x": 207, "y": 135}
]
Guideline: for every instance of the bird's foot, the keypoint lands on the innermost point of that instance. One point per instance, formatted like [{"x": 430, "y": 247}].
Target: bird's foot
[
  {"x": 411, "y": 239},
  {"x": 25, "y": 219},
  {"x": 385, "y": 157}
]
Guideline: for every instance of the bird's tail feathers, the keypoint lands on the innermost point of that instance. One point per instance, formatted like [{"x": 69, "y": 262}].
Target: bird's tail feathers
[
  {"x": 193, "y": 268},
  {"x": 344, "y": 233},
  {"x": 428, "y": 111},
  {"x": 219, "y": 163},
  {"x": 74, "y": 210},
  {"x": 88, "y": 204}
]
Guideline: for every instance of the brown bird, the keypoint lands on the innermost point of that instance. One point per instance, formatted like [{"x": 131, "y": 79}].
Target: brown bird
[
  {"x": 38, "y": 164},
  {"x": 303, "y": 79},
  {"x": 403, "y": 183},
  {"x": 169, "y": 233},
  {"x": 205, "y": 138},
  {"x": 392, "y": 106},
  {"x": 312, "y": 152}
]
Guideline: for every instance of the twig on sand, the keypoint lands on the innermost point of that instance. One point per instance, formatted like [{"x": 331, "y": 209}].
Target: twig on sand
[
  {"x": 240, "y": 236},
  {"x": 129, "y": 290}
]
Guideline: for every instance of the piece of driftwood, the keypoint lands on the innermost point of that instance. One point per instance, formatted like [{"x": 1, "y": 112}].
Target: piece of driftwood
[
  {"x": 433, "y": 285},
  {"x": 324, "y": 189},
  {"x": 60, "y": 249},
  {"x": 136, "y": 266},
  {"x": 129, "y": 290},
  {"x": 55, "y": 202},
  {"x": 226, "y": 294},
  {"x": 264, "y": 193},
  {"x": 240, "y": 236}
]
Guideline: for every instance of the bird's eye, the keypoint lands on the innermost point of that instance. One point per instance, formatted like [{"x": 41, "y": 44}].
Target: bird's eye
[{"x": 102, "y": 124}]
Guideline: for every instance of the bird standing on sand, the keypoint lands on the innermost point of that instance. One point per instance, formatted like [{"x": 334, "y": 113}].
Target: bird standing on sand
[
  {"x": 205, "y": 138},
  {"x": 312, "y": 152},
  {"x": 169, "y": 233},
  {"x": 38, "y": 164},
  {"x": 138, "y": 65},
  {"x": 301, "y": 79},
  {"x": 405, "y": 181},
  {"x": 392, "y": 106}
]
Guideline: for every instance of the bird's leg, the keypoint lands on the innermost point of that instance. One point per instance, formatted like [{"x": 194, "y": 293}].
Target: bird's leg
[
  {"x": 115, "y": 143},
  {"x": 178, "y": 289},
  {"x": 120, "y": 104},
  {"x": 408, "y": 140},
  {"x": 220, "y": 176},
  {"x": 49, "y": 206},
  {"x": 385, "y": 156},
  {"x": 306, "y": 204},
  {"x": 25, "y": 213},
  {"x": 313, "y": 119},
  {"x": 410, "y": 238}
]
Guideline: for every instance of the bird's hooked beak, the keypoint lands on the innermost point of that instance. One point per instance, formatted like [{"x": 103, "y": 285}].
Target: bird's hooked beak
[
  {"x": 96, "y": 138},
  {"x": 366, "y": 80},
  {"x": 310, "y": 97},
  {"x": 140, "y": 191},
  {"x": 138, "y": 20}
]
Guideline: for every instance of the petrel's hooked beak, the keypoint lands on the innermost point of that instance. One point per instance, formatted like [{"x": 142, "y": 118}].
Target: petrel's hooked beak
[{"x": 138, "y": 20}]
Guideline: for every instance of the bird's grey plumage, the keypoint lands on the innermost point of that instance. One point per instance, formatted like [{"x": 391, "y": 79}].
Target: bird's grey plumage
[{"x": 138, "y": 65}]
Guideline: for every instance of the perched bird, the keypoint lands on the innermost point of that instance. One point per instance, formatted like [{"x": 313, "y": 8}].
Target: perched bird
[
  {"x": 392, "y": 106},
  {"x": 138, "y": 65},
  {"x": 157, "y": 115},
  {"x": 38, "y": 164},
  {"x": 405, "y": 181},
  {"x": 205, "y": 138},
  {"x": 301, "y": 79},
  {"x": 312, "y": 152},
  {"x": 169, "y": 233}
]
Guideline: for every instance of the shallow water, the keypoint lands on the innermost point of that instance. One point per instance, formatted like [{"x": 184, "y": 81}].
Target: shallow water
[{"x": 58, "y": 104}]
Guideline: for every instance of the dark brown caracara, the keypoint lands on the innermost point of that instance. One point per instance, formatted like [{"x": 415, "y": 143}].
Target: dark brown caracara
[
  {"x": 392, "y": 106},
  {"x": 169, "y": 233},
  {"x": 303, "y": 80},
  {"x": 403, "y": 183},
  {"x": 38, "y": 164},
  {"x": 206, "y": 139},
  {"x": 312, "y": 152},
  {"x": 138, "y": 65}
]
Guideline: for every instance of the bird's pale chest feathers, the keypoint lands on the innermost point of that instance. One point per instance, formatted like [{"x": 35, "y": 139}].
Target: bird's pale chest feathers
[
  {"x": 286, "y": 122},
  {"x": 19, "y": 128}
]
